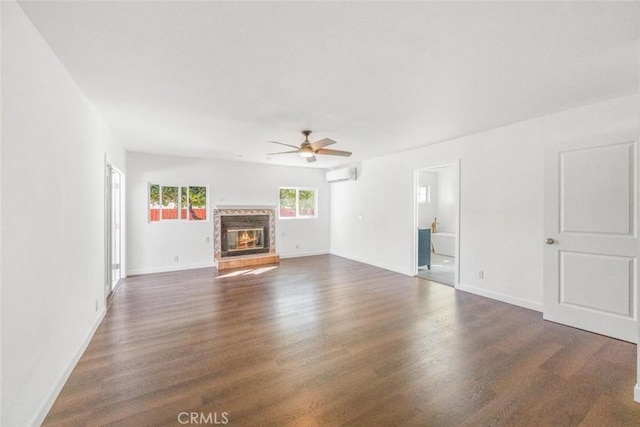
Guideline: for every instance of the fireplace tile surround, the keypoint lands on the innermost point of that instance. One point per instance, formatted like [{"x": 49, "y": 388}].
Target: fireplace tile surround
[{"x": 225, "y": 259}]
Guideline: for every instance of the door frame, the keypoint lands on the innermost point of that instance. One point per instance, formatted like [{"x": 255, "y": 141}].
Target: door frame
[
  {"x": 108, "y": 289},
  {"x": 414, "y": 251}
]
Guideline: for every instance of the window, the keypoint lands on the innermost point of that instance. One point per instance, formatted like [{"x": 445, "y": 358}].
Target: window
[
  {"x": 298, "y": 202},
  {"x": 168, "y": 203},
  {"x": 288, "y": 197},
  {"x": 196, "y": 203},
  {"x": 154, "y": 202},
  {"x": 424, "y": 194}
]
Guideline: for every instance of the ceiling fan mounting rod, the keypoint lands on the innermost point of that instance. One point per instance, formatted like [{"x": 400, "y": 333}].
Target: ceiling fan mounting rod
[{"x": 306, "y": 134}]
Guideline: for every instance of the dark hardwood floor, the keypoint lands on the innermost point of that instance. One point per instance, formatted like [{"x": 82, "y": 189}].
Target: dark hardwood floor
[{"x": 324, "y": 341}]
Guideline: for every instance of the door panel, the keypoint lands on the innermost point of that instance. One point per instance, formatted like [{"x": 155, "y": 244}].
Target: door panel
[
  {"x": 590, "y": 265},
  {"x": 616, "y": 272},
  {"x": 596, "y": 190}
]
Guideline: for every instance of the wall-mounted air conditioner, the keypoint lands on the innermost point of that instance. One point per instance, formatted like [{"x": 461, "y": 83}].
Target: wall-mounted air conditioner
[{"x": 343, "y": 174}]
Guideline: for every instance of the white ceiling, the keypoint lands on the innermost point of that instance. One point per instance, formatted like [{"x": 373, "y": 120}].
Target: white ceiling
[{"x": 217, "y": 80}]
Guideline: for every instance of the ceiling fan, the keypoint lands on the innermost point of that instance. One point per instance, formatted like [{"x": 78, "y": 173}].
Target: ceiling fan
[{"x": 310, "y": 149}]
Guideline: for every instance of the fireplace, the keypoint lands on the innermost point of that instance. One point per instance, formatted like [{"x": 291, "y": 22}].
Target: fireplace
[{"x": 244, "y": 236}]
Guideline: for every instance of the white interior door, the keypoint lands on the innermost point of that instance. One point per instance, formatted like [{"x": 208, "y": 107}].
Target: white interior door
[
  {"x": 590, "y": 225},
  {"x": 116, "y": 228}
]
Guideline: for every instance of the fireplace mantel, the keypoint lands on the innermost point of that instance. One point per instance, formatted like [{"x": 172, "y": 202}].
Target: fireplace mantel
[
  {"x": 223, "y": 259},
  {"x": 244, "y": 207}
]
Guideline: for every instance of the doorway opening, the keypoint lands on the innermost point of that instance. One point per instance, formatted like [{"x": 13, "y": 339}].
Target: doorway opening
[
  {"x": 114, "y": 181},
  {"x": 436, "y": 256}
]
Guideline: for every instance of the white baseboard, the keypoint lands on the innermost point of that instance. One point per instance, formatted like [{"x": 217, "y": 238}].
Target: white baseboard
[
  {"x": 501, "y": 297},
  {"x": 636, "y": 393},
  {"x": 167, "y": 268},
  {"x": 301, "y": 254},
  {"x": 44, "y": 409},
  {"x": 375, "y": 264}
]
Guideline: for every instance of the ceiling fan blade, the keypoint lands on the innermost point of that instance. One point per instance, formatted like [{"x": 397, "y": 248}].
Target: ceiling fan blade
[
  {"x": 322, "y": 143},
  {"x": 333, "y": 152},
  {"x": 282, "y": 143},
  {"x": 282, "y": 152},
  {"x": 311, "y": 159}
]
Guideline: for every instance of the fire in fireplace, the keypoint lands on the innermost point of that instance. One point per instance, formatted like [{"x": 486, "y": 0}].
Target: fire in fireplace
[{"x": 243, "y": 239}]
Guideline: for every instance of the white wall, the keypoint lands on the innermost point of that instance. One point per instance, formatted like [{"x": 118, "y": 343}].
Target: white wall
[
  {"x": 0, "y": 220},
  {"x": 428, "y": 211},
  {"x": 446, "y": 200},
  {"x": 501, "y": 200},
  {"x": 443, "y": 199},
  {"x": 153, "y": 246},
  {"x": 53, "y": 150}
]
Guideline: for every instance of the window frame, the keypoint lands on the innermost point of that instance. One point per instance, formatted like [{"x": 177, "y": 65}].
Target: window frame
[
  {"x": 297, "y": 203},
  {"x": 179, "y": 218}
]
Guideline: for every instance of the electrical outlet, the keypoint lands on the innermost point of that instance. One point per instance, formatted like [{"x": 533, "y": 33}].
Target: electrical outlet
[
  {"x": 176, "y": 258},
  {"x": 480, "y": 274},
  {"x": 297, "y": 245},
  {"x": 207, "y": 239}
]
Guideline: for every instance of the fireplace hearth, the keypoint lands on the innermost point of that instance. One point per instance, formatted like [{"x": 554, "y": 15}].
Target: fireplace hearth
[{"x": 244, "y": 236}]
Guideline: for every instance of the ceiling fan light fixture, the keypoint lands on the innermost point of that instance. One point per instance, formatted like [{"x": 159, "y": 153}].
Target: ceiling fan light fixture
[{"x": 309, "y": 150}]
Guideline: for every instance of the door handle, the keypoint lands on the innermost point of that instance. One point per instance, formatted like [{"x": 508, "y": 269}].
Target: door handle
[{"x": 549, "y": 241}]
